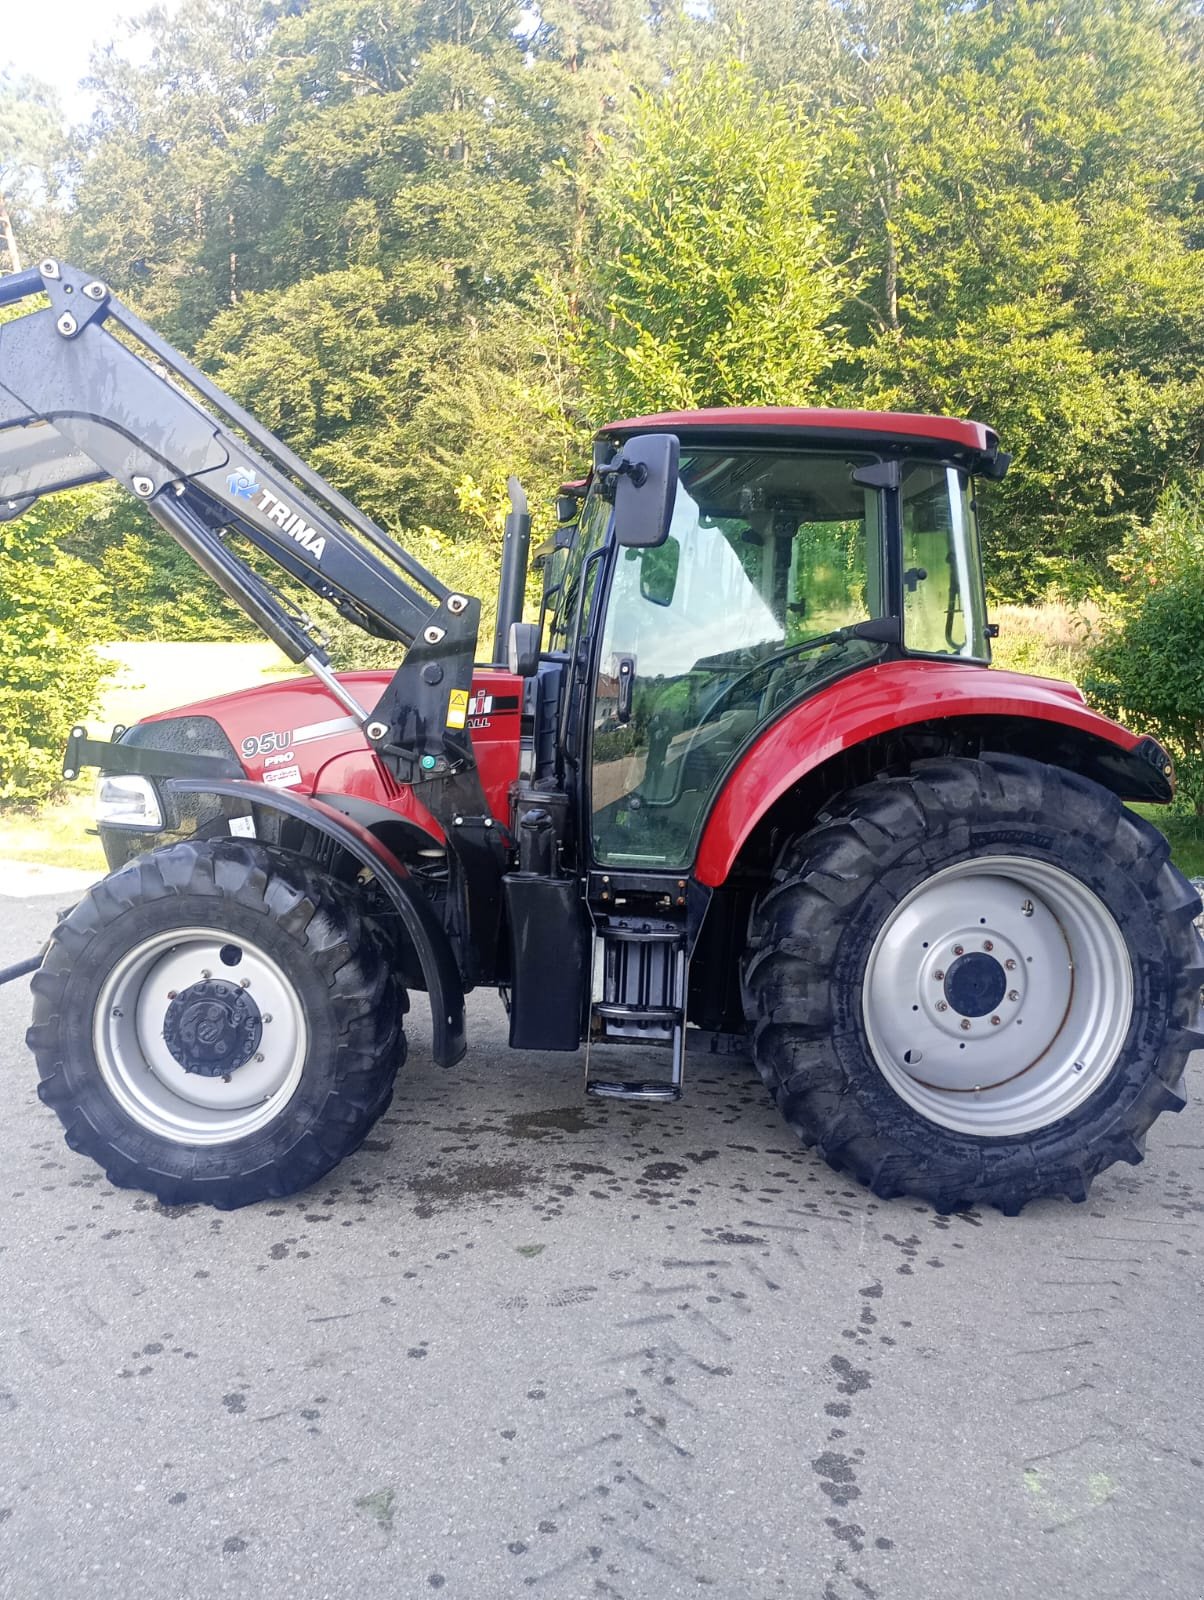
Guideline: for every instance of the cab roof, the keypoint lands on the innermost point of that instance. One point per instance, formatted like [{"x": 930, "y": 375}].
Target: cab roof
[{"x": 975, "y": 442}]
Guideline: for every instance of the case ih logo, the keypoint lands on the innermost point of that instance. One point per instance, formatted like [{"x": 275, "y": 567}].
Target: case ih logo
[{"x": 244, "y": 487}]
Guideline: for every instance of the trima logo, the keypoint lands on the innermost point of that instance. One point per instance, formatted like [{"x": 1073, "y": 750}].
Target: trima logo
[{"x": 243, "y": 485}]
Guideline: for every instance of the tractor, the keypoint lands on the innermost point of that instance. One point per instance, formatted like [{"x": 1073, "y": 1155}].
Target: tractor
[{"x": 749, "y": 786}]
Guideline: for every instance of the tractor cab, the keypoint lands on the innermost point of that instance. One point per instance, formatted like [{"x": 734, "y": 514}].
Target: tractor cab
[{"x": 801, "y": 546}]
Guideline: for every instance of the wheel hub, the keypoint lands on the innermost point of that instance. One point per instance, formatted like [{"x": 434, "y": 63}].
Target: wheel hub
[
  {"x": 975, "y": 984},
  {"x": 213, "y": 1028}
]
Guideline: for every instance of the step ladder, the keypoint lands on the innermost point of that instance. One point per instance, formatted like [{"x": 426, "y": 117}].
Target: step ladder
[{"x": 639, "y": 997}]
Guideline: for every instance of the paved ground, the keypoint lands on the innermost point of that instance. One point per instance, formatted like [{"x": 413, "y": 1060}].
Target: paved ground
[{"x": 522, "y": 1345}]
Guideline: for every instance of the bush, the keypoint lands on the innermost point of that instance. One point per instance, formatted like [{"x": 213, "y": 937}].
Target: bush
[
  {"x": 1146, "y": 667},
  {"x": 51, "y": 612}
]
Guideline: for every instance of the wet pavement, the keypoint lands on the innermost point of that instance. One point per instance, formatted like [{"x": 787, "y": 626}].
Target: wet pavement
[{"x": 521, "y": 1343}]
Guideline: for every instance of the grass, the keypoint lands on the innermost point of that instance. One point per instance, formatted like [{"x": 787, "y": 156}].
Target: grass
[
  {"x": 55, "y": 836},
  {"x": 146, "y": 678},
  {"x": 1047, "y": 640}
]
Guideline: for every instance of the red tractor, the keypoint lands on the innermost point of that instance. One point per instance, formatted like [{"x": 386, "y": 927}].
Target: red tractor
[{"x": 749, "y": 784}]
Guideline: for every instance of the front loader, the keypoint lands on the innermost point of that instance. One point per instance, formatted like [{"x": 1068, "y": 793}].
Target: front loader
[{"x": 750, "y": 785}]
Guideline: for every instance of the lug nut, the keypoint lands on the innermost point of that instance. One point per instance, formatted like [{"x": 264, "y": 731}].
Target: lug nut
[
  {"x": 994, "y": 1022},
  {"x": 244, "y": 983},
  {"x": 1013, "y": 994},
  {"x": 958, "y": 950},
  {"x": 267, "y": 1016},
  {"x": 941, "y": 1005},
  {"x": 259, "y": 1057},
  {"x": 965, "y": 1024},
  {"x": 1010, "y": 964},
  {"x": 938, "y": 976},
  {"x": 987, "y": 945},
  {"x": 171, "y": 994},
  {"x": 205, "y": 972}
]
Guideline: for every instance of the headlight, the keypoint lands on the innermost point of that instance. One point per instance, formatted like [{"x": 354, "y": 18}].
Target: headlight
[{"x": 127, "y": 802}]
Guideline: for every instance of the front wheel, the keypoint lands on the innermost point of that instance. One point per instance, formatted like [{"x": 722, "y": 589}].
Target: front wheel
[
  {"x": 977, "y": 983},
  {"x": 217, "y": 1022}
]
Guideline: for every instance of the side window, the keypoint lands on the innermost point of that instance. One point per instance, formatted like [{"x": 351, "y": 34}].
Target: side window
[
  {"x": 942, "y": 591},
  {"x": 555, "y": 568},
  {"x": 562, "y": 610}
]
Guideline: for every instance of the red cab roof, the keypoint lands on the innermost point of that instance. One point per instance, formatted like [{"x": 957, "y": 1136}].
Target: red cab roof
[{"x": 818, "y": 422}]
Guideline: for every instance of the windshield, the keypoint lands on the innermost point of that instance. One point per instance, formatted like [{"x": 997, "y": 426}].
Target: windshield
[{"x": 705, "y": 636}]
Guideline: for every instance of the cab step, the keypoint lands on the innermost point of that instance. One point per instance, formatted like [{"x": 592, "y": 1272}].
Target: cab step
[{"x": 638, "y": 998}]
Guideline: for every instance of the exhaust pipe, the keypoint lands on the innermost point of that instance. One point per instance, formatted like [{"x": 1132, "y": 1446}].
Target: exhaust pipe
[{"x": 513, "y": 582}]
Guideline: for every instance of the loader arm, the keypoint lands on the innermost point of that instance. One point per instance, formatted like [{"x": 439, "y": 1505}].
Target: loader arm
[{"x": 89, "y": 392}]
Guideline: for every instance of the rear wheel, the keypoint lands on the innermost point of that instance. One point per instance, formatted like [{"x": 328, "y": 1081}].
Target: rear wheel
[
  {"x": 217, "y": 1022},
  {"x": 978, "y": 983}
]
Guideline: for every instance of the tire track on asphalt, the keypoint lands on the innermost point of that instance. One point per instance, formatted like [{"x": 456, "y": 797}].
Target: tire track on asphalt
[{"x": 1074, "y": 1460}]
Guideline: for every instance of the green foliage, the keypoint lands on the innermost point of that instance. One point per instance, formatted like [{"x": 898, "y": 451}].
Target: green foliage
[
  {"x": 148, "y": 588},
  {"x": 1008, "y": 188},
  {"x": 1146, "y": 666},
  {"x": 49, "y": 616},
  {"x": 713, "y": 285}
]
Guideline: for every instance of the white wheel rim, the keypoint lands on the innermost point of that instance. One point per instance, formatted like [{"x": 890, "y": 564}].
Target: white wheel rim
[
  {"x": 150, "y": 1083},
  {"x": 983, "y": 1059}
]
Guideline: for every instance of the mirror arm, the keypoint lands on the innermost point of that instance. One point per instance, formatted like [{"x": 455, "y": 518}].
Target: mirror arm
[{"x": 608, "y": 476}]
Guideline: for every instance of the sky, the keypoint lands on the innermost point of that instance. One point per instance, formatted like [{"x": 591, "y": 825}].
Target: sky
[{"x": 56, "y": 44}]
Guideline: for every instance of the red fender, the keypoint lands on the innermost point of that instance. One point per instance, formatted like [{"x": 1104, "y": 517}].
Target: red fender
[{"x": 886, "y": 699}]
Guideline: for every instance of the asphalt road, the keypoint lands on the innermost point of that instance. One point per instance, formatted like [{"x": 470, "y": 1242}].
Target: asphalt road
[{"x": 520, "y": 1344}]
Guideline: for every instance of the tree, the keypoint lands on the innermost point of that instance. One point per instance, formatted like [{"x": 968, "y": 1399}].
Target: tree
[
  {"x": 713, "y": 284},
  {"x": 162, "y": 202},
  {"x": 30, "y": 145},
  {"x": 1011, "y": 190}
]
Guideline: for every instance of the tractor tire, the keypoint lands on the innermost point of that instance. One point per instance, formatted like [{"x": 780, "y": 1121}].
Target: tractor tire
[
  {"x": 977, "y": 983},
  {"x": 218, "y": 1023}
]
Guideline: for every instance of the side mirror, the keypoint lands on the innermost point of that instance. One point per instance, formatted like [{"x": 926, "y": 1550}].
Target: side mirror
[
  {"x": 522, "y": 649},
  {"x": 645, "y": 480}
]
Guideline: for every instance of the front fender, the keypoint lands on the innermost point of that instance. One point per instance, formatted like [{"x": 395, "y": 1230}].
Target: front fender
[
  {"x": 1003, "y": 710},
  {"x": 449, "y": 1035}
]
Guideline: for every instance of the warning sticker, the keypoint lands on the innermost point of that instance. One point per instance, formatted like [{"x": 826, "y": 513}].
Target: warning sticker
[{"x": 457, "y": 708}]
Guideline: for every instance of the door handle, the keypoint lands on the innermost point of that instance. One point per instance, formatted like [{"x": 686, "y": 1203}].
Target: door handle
[{"x": 626, "y": 685}]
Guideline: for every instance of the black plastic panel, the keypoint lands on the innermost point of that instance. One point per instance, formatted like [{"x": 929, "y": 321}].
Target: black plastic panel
[{"x": 549, "y": 951}]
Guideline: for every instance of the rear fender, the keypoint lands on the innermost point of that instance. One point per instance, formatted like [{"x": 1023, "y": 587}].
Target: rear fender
[
  {"x": 240, "y": 797},
  {"x": 967, "y": 708}
]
